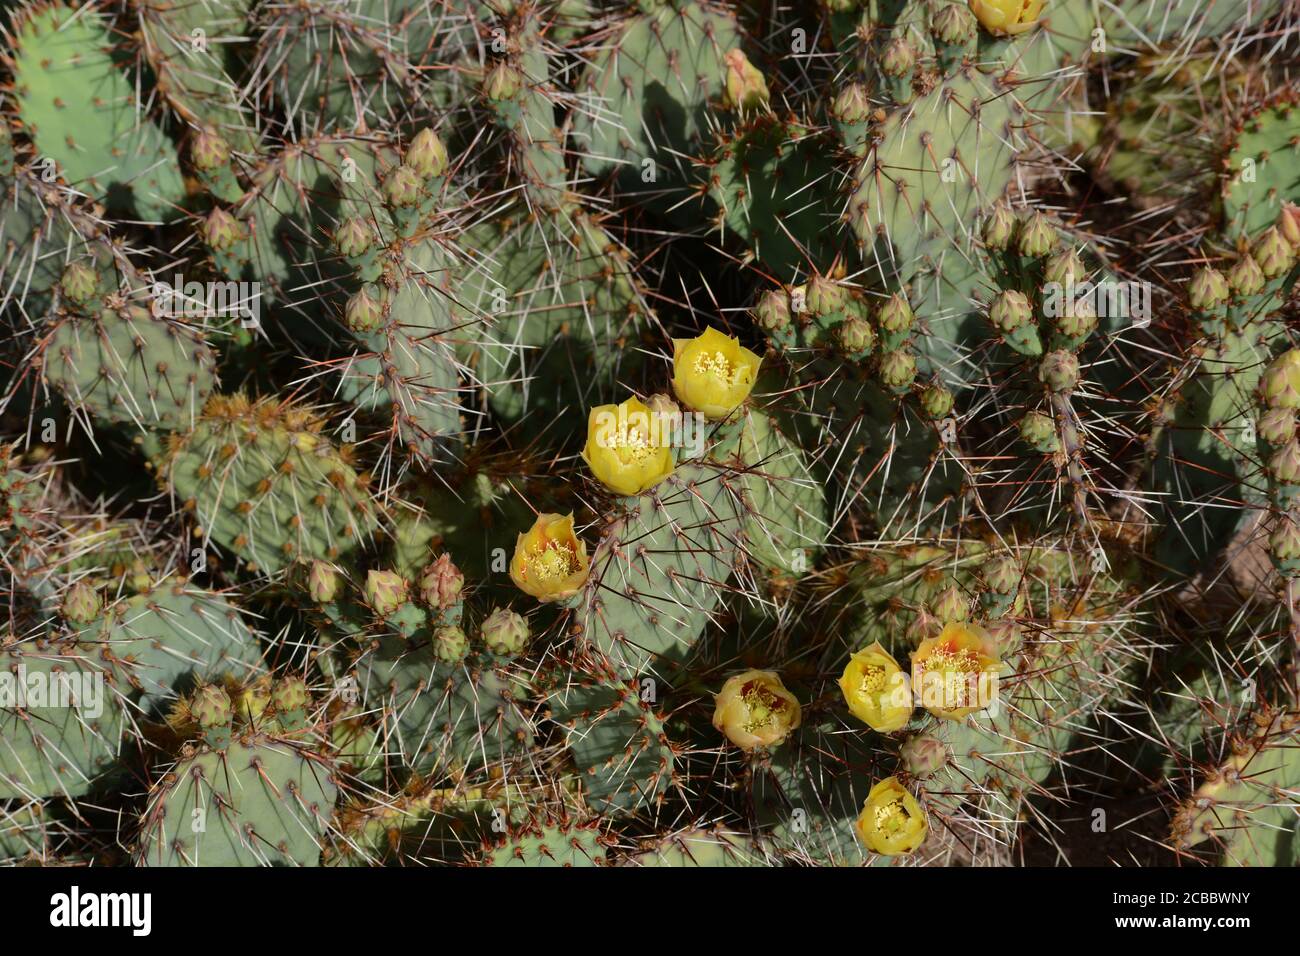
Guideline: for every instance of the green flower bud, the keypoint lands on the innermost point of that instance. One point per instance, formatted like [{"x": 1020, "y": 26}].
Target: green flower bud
[
  {"x": 852, "y": 105},
  {"x": 745, "y": 87},
  {"x": 1246, "y": 278},
  {"x": 208, "y": 151},
  {"x": 951, "y": 605},
  {"x": 1038, "y": 237},
  {"x": 503, "y": 82},
  {"x": 505, "y": 632},
  {"x": 1280, "y": 383},
  {"x": 1064, "y": 268},
  {"x": 289, "y": 695},
  {"x": 1208, "y": 290},
  {"x": 210, "y": 706},
  {"x": 1288, "y": 224},
  {"x": 1277, "y": 425},
  {"x": 385, "y": 591},
  {"x": 1078, "y": 320},
  {"x": 936, "y": 401},
  {"x": 1284, "y": 546},
  {"x": 897, "y": 370},
  {"x": 365, "y": 309},
  {"x": 1038, "y": 431},
  {"x": 953, "y": 25},
  {"x": 427, "y": 155},
  {"x": 81, "y": 604},
  {"x": 1059, "y": 371},
  {"x": 352, "y": 237},
  {"x": 896, "y": 316},
  {"x": 1003, "y": 573},
  {"x": 999, "y": 227},
  {"x": 403, "y": 187},
  {"x": 450, "y": 644},
  {"x": 1006, "y": 636},
  {"x": 773, "y": 311},
  {"x": 221, "y": 230},
  {"x": 1273, "y": 253},
  {"x": 923, "y": 755},
  {"x": 79, "y": 283},
  {"x": 856, "y": 336},
  {"x": 1284, "y": 466},
  {"x": 323, "y": 582},
  {"x": 898, "y": 58},
  {"x": 1010, "y": 311},
  {"x": 825, "y": 296}
]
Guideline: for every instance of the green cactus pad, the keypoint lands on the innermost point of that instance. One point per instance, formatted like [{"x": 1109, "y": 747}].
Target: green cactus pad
[
  {"x": 263, "y": 482},
  {"x": 126, "y": 366},
  {"x": 260, "y": 802},
  {"x": 64, "y": 742},
  {"x": 82, "y": 114}
]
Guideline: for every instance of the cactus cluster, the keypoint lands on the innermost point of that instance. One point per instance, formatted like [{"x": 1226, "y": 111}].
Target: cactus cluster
[{"x": 659, "y": 433}]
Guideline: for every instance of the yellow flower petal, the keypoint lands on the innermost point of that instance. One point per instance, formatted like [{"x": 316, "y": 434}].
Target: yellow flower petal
[
  {"x": 876, "y": 690},
  {"x": 550, "y": 561},
  {"x": 628, "y": 447},
  {"x": 891, "y": 822},
  {"x": 713, "y": 373},
  {"x": 755, "y": 710},
  {"x": 1007, "y": 17},
  {"x": 956, "y": 673}
]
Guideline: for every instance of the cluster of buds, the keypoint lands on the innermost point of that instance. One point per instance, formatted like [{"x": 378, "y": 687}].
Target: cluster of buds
[{"x": 1279, "y": 397}]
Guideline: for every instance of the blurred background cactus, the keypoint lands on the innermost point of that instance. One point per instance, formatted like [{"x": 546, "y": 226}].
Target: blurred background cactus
[{"x": 656, "y": 433}]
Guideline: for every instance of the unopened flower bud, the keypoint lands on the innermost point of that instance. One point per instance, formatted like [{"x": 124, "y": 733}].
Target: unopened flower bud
[
  {"x": 1059, "y": 371},
  {"x": 385, "y": 591},
  {"x": 441, "y": 583},
  {"x": 505, "y": 632},
  {"x": 1208, "y": 290}
]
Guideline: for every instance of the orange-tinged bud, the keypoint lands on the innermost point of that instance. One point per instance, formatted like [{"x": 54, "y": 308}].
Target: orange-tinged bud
[
  {"x": 755, "y": 710},
  {"x": 550, "y": 561},
  {"x": 713, "y": 373},
  {"x": 891, "y": 822},
  {"x": 876, "y": 690},
  {"x": 745, "y": 86}
]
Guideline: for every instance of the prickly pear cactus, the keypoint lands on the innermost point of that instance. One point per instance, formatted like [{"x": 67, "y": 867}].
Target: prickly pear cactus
[{"x": 677, "y": 433}]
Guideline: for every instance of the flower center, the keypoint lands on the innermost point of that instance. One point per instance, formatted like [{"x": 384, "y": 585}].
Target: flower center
[
  {"x": 633, "y": 446},
  {"x": 761, "y": 704},
  {"x": 891, "y": 818},
  {"x": 716, "y": 365},
  {"x": 873, "y": 680},
  {"x": 555, "y": 560}
]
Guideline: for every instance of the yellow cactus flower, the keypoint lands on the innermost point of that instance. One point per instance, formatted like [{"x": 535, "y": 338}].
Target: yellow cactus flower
[
  {"x": 1007, "y": 17},
  {"x": 550, "y": 561},
  {"x": 956, "y": 673},
  {"x": 627, "y": 447},
  {"x": 713, "y": 373},
  {"x": 755, "y": 710},
  {"x": 876, "y": 689},
  {"x": 891, "y": 822}
]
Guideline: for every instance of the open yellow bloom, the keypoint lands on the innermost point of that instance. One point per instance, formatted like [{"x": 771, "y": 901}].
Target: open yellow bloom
[
  {"x": 1007, "y": 17},
  {"x": 713, "y": 373},
  {"x": 755, "y": 710},
  {"x": 550, "y": 562},
  {"x": 876, "y": 689},
  {"x": 891, "y": 822},
  {"x": 627, "y": 447},
  {"x": 956, "y": 673}
]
